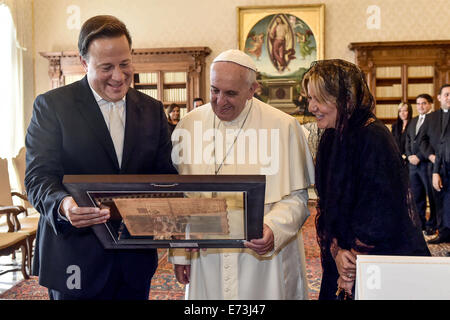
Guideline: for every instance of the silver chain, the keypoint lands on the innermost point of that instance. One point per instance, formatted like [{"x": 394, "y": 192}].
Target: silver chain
[{"x": 216, "y": 171}]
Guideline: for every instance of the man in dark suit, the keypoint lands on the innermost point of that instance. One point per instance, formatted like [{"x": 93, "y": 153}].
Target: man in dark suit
[
  {"x": 98, "y": 125},
  {"x": 441, "y": 170},
  {"x": 420, "y": 168},
  {"x": 433, "y": 147}
]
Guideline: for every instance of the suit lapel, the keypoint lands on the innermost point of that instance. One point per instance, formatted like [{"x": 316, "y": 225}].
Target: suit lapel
[
  {"x": 133, "y": 117},
  {"x": 444, "y": 124},
  {"x": 93, "y": 116}
]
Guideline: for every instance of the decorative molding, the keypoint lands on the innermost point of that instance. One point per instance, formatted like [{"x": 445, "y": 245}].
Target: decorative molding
[
  {"x": 404, "y": 54},
  {"x": 187, "y": 59}
]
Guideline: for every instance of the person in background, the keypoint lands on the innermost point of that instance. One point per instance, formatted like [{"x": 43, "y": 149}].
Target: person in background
[
  {"x": 364, "y": 201},
  {"x": 197, "y": 103},
  {"x": 258, "y": 93},
  {"x": 173, "y": 116},
  {"x": 434, "y": 145},
  {"x": 399, "y": 128},
  {"x": 420, "y": 168},
  {"x": 441, "y": 170}
]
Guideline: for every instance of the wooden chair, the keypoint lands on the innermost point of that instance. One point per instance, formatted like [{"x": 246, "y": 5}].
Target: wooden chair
[
  {"x": 30, "y": 222},
  {"x": 9, "y": 243},
  {"x": 24, "y": 227},
  {"x": 19, "y": 165}
]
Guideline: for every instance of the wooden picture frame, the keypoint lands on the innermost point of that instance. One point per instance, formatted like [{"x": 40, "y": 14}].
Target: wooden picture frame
[
  {"x": 204, "y": 223},
  {"x": 283, "y": 41}
]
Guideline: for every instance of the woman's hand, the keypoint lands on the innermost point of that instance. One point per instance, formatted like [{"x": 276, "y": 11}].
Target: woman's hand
[
  {"x": 346, "y": 265},
  {"x": 263, "y": 245},
  {"x": 346, "y": 285},
  {"x": 182, "y": 273}
]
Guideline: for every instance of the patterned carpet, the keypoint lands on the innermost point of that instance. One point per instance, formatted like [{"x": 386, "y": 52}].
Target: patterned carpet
[{"x": 165, "y": 287}]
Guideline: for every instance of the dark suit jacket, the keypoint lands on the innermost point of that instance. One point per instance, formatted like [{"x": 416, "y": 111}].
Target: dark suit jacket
[
  {"x": 430, "y": 138},
  {"x": 442, "y": 164},
  {"x": 68, "y": 135},
  {"x": 412, "y": 144},
  {"x": 400, "y": 137}
]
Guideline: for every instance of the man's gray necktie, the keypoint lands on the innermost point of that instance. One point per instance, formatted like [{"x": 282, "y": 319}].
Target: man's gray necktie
[
  {"x": 117, "y": 128},
  {"x": 419, "y": 123}
]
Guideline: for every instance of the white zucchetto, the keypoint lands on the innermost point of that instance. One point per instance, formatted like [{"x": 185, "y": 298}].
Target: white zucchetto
[{"x": 236, "y": 56}]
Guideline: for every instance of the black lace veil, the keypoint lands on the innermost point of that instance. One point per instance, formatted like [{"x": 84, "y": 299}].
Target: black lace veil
[
  {"x": 338, "y": 155},
  {"x": 345, "y": 82}
]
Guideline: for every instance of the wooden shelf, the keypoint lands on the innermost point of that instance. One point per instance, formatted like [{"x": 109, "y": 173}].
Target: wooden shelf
[
  {"x": 177, "y": 102},
  {"x": 420, "y": 79},
  {"x": 155, "y": 61},
  {"x": 428, "y": 62},
  {"x": 387, "y": 100},
  {"x": 388, "y": 120},
  {"x": 175, "y": 85},
  {"x": 388, "y": 81},
  {"x": 145, "y": 84}
]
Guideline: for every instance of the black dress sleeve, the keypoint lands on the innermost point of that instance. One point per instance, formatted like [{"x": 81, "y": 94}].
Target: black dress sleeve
[{"x": 380, "y": 216}]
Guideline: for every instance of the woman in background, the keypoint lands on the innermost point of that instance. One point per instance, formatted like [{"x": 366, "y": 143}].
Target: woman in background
[
  {"x": 364, "y": 201},
  {"x": 399, "y": 127},
  {"x": 173, "y": 116}
]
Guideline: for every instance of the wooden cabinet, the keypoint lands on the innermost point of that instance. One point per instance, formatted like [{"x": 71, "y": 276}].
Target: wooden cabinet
[
  {"x": 400, "y": 71},
  {"x": 171, "y": 75}
]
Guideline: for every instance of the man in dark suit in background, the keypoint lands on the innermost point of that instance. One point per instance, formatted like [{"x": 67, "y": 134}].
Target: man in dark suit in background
[
  {"x": 420, "y": 168},
  {"x": 441, "y": 171},
  {"x": 98, "y": 125},
  {"x": 434, "y": 129}
]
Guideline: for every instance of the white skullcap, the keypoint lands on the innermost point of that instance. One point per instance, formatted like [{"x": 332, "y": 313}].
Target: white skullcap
[{"x": 238, "y": 57}]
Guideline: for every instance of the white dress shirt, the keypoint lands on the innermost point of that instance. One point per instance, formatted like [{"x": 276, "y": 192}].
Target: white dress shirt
[{"x": 105, "y": 108}]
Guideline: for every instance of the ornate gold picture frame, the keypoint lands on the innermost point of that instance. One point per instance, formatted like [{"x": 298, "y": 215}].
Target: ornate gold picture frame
[{"x": 283, "y": 41}]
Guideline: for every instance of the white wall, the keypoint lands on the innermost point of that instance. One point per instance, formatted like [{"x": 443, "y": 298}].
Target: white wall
[{"x": 213, "y": 23}]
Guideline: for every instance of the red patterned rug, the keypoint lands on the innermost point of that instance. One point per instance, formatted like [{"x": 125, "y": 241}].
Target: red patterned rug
[{"x": 165, "y": 286}]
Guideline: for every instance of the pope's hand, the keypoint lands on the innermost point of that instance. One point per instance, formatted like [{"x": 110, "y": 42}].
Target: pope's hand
[{"x": 263, "y": 245}]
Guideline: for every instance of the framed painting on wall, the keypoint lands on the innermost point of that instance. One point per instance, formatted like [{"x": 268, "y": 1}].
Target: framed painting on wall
[{"x": 282, "y": 41}]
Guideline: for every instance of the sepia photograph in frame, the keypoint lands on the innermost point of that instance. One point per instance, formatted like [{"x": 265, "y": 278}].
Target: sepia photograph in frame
[
  {"x": 282, "y": 41},
  {"x": 173, "y": 211}
]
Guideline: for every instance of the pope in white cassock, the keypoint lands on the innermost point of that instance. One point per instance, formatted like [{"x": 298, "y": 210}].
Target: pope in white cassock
[{"x": 272, "y": 267}]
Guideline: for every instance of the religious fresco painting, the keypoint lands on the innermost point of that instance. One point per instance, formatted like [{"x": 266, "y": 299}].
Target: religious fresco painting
[{"x": 283, "y": 42}]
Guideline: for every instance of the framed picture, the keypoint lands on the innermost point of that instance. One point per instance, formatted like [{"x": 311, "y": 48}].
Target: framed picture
[
  {"x": 283, "y": 42},
  {"x": 173, "y": 211}
]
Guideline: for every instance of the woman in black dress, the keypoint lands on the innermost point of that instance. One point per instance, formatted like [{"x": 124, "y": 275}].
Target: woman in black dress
[
  {"x": 173, "y": 116},
  {"x": 399, "y": 127},
  {"x": 364, "y": 200}
]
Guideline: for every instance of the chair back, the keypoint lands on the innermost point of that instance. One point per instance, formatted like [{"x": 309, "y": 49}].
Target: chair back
[
  {"x": 19, "y": 167},
  {"x": 5, "y": 186}
]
